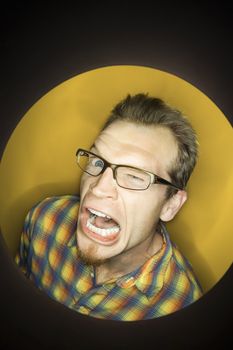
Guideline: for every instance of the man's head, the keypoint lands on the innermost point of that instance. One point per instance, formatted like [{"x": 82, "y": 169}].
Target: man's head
[
  {"x": 144, "y": 133},
  {"x": 150, "y": 111}
]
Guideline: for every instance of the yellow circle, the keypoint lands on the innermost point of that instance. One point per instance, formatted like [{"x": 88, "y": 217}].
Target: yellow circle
[{"x": 39, "y": 159}]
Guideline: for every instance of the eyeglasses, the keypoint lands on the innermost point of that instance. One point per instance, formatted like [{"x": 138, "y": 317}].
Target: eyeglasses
[{"x": 126, "y": 176}]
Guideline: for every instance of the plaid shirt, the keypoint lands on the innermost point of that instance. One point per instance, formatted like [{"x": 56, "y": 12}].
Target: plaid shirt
[{"x": 48, "y": 256}]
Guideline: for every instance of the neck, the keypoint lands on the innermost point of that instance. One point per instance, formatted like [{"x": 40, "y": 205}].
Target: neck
[{"x": 129, "y": 260}]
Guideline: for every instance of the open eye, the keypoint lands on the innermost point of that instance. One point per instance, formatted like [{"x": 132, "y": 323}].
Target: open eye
[{"x": 97, "y": 163}]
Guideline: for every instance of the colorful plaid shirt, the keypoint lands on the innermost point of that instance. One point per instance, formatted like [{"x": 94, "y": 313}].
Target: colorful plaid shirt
[{"x": 48, "y": 256}]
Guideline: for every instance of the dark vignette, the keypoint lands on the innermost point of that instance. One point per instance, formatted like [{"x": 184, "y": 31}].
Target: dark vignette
[{"x": 41, "y": 46}]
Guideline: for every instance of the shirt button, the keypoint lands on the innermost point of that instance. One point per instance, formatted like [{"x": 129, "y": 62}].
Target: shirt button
[{"x": 130, "y": 279}]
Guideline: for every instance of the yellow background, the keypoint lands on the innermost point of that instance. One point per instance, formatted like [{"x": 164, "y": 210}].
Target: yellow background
[{"x": 39, "y": 159}]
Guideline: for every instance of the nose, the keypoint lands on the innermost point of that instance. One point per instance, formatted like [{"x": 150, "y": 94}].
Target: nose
[{"x": 104, "y": 185}]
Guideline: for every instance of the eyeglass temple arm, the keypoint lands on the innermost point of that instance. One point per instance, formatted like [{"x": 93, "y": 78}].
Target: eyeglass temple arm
[{"x": 162, "y": 181}]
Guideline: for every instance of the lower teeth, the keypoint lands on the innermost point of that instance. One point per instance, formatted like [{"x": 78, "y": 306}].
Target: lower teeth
[{"x": 101, "y": 231}]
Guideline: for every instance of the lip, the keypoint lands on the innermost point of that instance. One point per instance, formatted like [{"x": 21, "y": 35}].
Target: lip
[{"x": 110, "y": 240}]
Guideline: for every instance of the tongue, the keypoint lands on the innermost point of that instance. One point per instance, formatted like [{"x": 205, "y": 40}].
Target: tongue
[{"x": 103, "y": 223}]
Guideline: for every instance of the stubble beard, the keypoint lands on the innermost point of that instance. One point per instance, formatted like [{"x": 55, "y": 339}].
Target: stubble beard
[{"x": 88, "y": 256}]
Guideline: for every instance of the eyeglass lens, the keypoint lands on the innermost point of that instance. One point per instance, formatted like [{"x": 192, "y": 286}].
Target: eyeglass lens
[
  {"x": 89, "y": 163},
  {"x": 126, "y": 177}
]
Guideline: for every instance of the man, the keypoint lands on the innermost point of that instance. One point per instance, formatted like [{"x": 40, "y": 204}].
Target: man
[{"x": 108, "y": 254}]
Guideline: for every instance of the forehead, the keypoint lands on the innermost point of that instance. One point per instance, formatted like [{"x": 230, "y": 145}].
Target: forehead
[{"x": 138, "y": 145}]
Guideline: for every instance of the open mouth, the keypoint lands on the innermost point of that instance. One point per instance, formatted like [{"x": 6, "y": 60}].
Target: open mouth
[{"x": 100, "y": 226}]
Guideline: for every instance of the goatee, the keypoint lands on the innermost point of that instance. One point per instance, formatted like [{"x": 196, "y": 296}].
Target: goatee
[{"x": 88, "y": 257}]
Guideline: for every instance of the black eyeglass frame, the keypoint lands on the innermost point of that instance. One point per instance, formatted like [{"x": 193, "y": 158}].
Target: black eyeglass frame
[{"x": 155, "y": 179}]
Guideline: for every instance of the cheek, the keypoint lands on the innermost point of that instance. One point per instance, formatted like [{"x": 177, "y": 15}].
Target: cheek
[
  {"x": 145, "y": 209},
  {"x": 84, "y": 184}
]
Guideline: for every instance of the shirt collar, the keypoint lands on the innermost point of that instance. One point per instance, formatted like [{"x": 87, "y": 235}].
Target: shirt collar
[{"x": 149, "y": 278}]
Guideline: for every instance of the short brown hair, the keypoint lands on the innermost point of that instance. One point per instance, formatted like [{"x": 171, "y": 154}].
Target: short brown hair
[{"x": 146, "y": 110}]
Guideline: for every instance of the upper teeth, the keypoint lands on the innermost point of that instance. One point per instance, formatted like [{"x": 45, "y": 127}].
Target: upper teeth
[{"x": 98, "y": 213}]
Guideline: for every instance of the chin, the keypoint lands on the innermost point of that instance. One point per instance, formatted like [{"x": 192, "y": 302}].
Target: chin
[
  {"x": 87, "y": 252},
  {"x": 88, "y": 258},
  {"x": 95, "y": 250}
]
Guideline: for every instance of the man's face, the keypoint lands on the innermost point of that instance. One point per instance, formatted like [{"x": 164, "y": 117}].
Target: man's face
[{"x": 134, "y": 213}]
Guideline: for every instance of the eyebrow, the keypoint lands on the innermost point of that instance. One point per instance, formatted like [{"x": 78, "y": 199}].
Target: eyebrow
[
  {"x": 95, "y": 147},
  {"x": 98, "y": 153}
]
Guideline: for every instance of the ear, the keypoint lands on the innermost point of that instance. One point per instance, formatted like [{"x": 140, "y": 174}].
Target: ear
[{"x": 173, "y": 205}]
